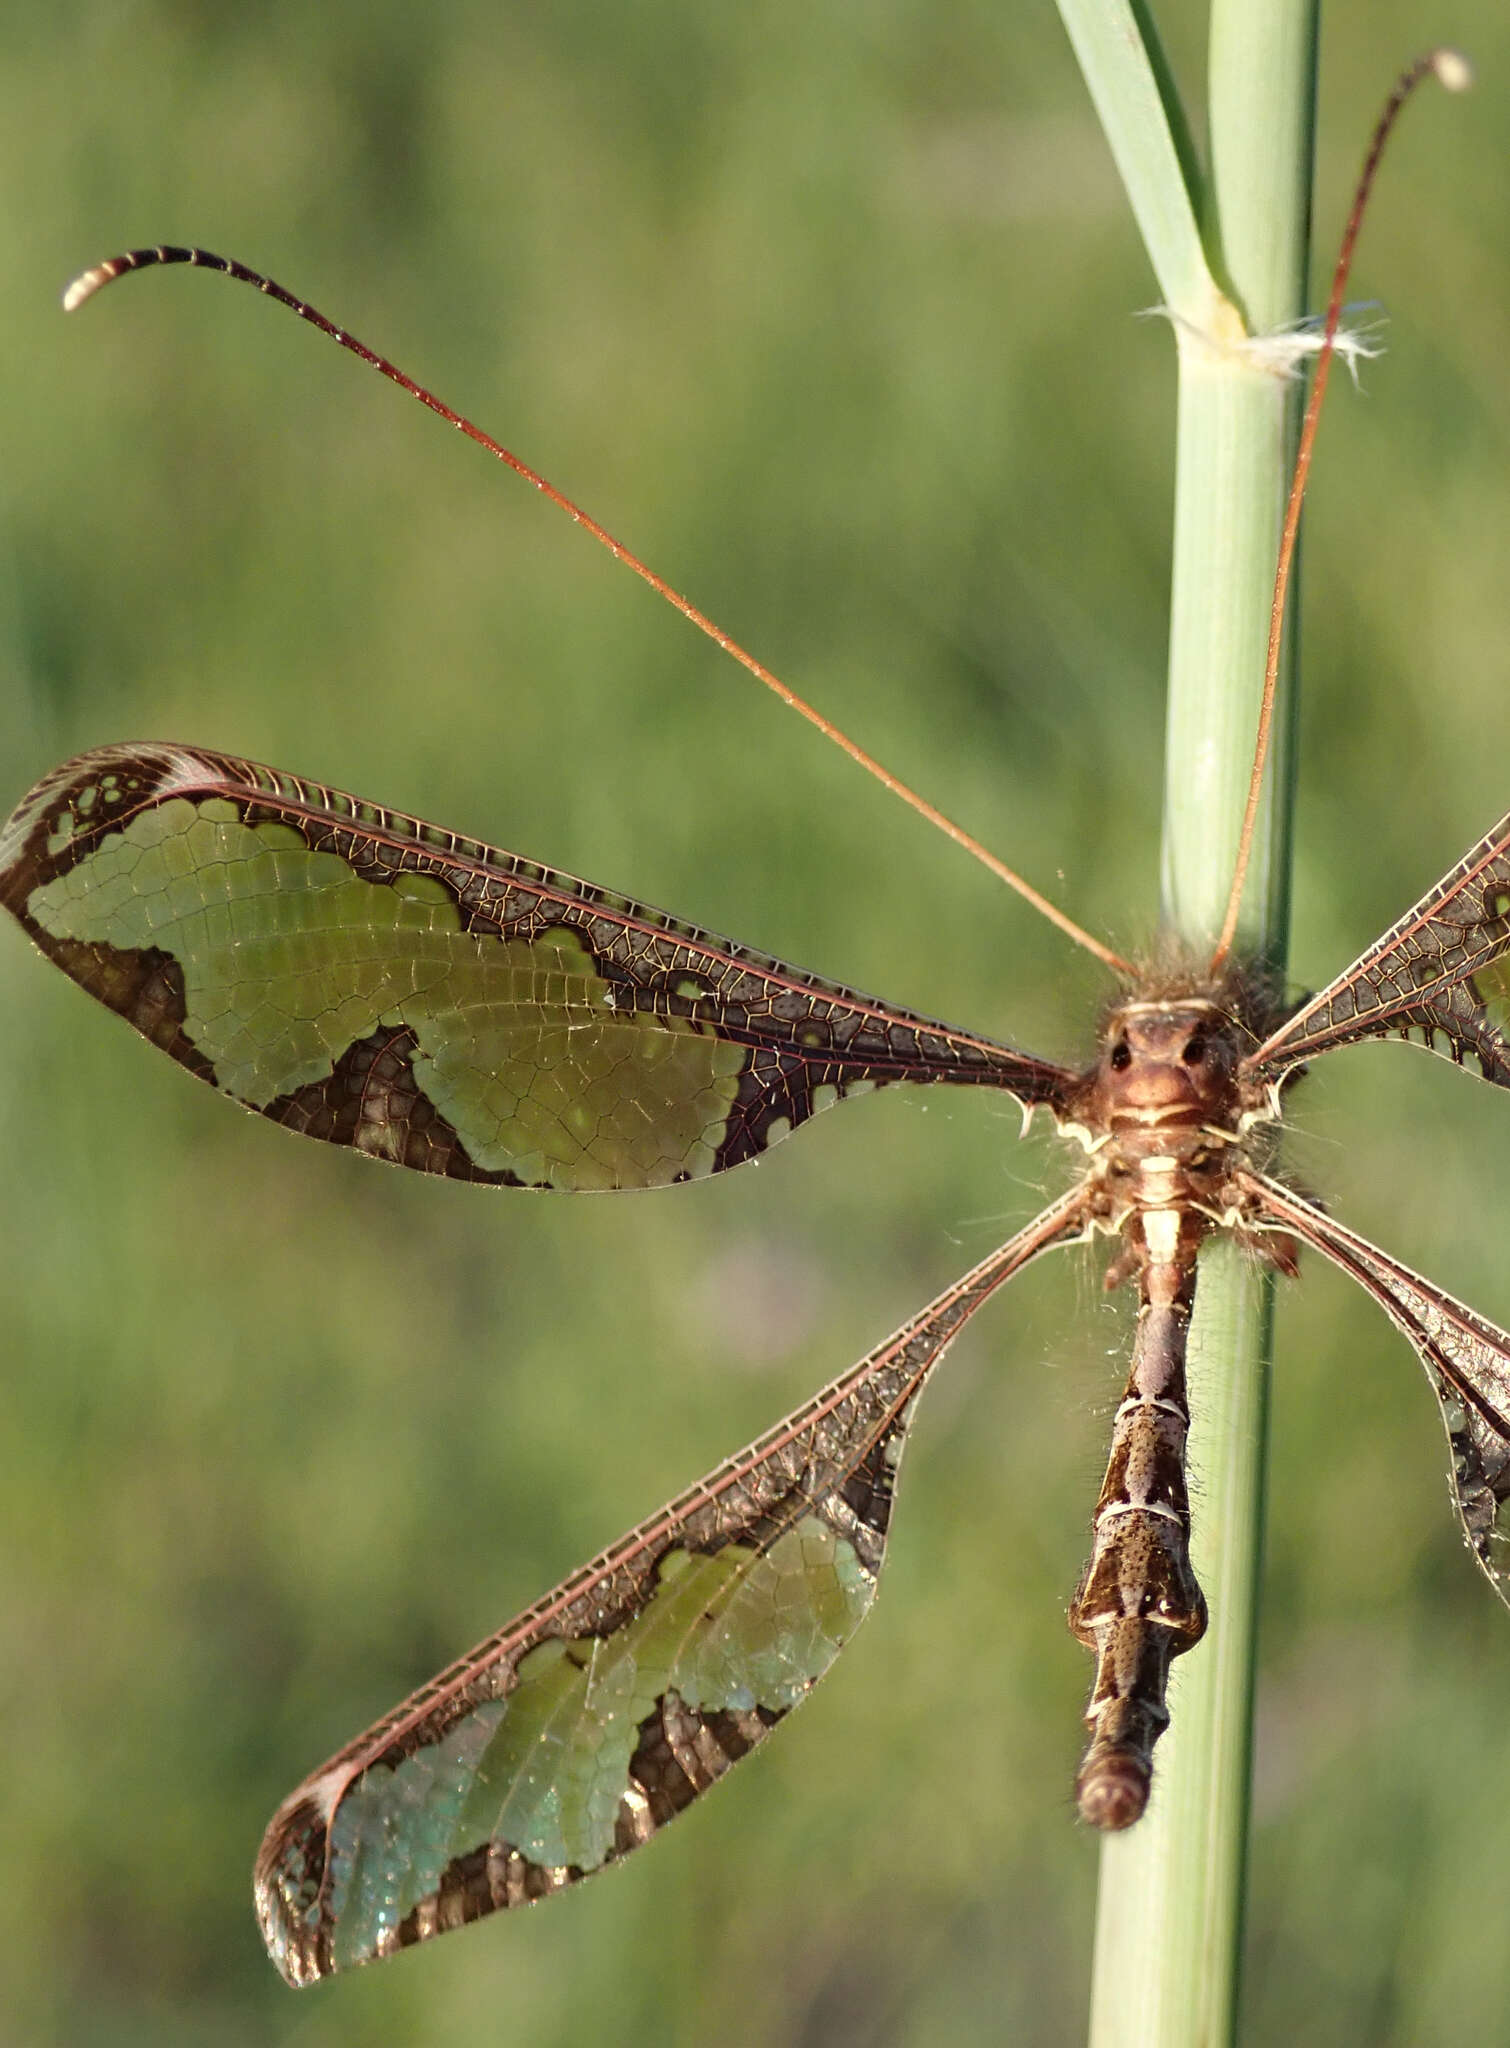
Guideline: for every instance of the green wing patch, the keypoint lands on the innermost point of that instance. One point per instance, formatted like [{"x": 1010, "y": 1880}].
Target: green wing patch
[
  {"x": 379, "y": 983},
  {"x": 725, "y": 1642},
  {"x": 578, "y": 1731}
]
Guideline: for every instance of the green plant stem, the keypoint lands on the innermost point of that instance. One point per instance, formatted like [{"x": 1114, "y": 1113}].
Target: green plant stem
[{"x": 1169, "y": 1928}]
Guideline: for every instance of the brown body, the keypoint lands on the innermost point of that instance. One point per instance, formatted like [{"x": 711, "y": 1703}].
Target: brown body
[{"x": 1166, "y": 1120}]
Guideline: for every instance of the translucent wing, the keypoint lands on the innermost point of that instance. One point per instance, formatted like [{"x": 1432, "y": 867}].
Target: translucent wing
[
  {"x": 377, "y": 982},
  {"x": 570, "y": 1737},
  {"x": 1466, "y": 1358},
  {"x": 1438, "y": 974}
]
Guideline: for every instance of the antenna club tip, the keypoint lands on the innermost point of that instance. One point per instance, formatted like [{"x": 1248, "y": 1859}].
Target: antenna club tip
[
  {"x": 85, "y": 286},
  {"x": 1452, "y": 68}
]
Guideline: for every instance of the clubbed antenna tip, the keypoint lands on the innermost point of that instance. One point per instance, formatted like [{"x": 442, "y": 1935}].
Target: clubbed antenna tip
[{"x": 86, "y": 285}]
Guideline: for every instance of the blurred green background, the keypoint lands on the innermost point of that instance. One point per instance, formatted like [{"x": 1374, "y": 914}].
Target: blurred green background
[{"x": 829, "y": 311}]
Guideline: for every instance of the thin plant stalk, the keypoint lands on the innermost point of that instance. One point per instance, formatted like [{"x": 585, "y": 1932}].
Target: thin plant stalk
[{"x": 1169, "y": 1924}]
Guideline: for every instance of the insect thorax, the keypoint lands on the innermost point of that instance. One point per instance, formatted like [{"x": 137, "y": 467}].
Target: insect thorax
[{"x": 1168, "y": 1117}]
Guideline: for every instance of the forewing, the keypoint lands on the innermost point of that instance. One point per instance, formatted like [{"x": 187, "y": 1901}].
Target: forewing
[
  {"x": 1439, "y": 976},
  {"x": 570, "y": 1737},
  {"x": 1467, "y": 1360},
  {"x": 380, "y": 983}
]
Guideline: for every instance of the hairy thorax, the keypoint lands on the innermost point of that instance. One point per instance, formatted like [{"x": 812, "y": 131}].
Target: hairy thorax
[{"x": 1167, "y": 1120}]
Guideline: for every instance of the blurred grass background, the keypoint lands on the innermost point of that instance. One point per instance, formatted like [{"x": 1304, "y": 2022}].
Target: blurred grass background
[{"x": 829, "y": 313}]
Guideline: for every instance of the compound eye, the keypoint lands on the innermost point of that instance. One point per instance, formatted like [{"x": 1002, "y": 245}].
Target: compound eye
[
  {"x": 1121, "y": 1055},
  {"x": 1195, "y": 1050}
]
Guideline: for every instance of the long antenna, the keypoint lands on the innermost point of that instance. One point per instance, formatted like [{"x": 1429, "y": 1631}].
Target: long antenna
[
  {"x": 1454, "y": 71},
  {"x": 94, "y": 280}
]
